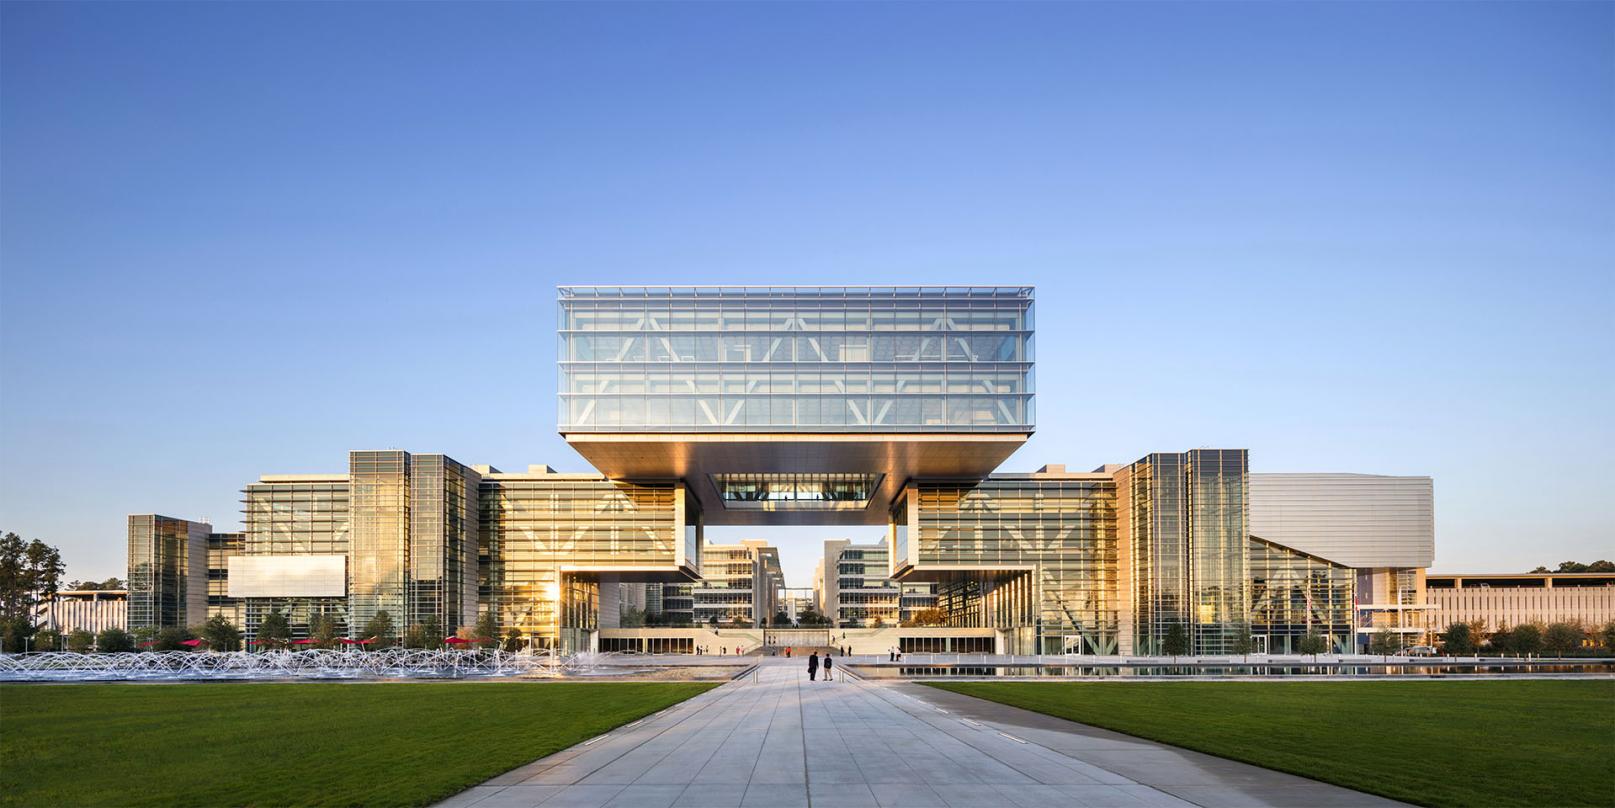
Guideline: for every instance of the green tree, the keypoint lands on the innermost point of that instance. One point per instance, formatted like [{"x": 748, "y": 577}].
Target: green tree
[
  {"x": 380, "y": 628},
  {"x": 171, "y": 638},
  {"x": 631, "y": 617},
  {"x": 1176, "y": 642},
  {"x": 1526, "y": 639},
  {"x": 1314, "y": 644},
  {"x": 79, "y": 640},
  {"x": 1243, "y": 643},
  {"x": 488, "y": 628},
  {"x": 323, "y": 630},
  {"x": 513, "y": 640},
  {"x": 414, "y": 636},
  {"x": 1606, "y": 635},
  {"x": 1562, "y": 638},
  {"x": 30, "y": 572},
  {"x": 1502, "y": 641},
  {"x": 113, "y": 640},
  {"x": 434, "y": 631},
  {"x": 47, "y": 639},
  {"x": 143, "y": 637},
  {"x": 274, "y": 631},
  {"x": 782, "y": 618},
  {"x": 1384, "y": 643},
  {"x": 221, "y": 634},
  {"x": 1459, "y": 640}
]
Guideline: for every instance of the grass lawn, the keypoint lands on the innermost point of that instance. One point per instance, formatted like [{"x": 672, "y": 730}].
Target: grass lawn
[
  {"x": 305, "y": 743},
  {"x": 1457, "y": 743}
]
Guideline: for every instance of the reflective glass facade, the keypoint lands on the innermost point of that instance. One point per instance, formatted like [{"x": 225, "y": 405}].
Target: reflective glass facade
[
  {"x": 220, "y": 547},
  {"x": 784, "y": 359},
  {"x": 544, "y": 537},
  {"x": 288, "y": 516},
  {"x": 1189, "y": 524},
  {"x": 167, "y": 571},
  {"x": 1036, "y": 555},
  {"x": 1294, "y": 594}
]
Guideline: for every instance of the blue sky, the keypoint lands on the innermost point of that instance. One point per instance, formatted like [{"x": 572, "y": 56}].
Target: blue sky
[{"x": 239, "y": 239}]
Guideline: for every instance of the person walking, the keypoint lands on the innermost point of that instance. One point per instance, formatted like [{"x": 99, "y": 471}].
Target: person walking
[
  {"x": 813, "y": 666},
  {"x": 828, "y": 664}
]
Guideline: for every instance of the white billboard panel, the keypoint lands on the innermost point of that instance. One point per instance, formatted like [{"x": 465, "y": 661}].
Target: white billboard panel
[{"x": 289, "y": 576}]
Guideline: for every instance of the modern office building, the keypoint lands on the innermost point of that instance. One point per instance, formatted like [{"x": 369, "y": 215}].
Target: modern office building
[
  {"x": 168, "y": 561},
  {"x": 888, "y": 406},
  {"x": 1496, "y": 602},
  {"x": 857, "y": 590}
]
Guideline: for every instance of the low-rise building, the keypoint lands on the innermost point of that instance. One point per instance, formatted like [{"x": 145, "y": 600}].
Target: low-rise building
[{"x": 1506, "y": 600}]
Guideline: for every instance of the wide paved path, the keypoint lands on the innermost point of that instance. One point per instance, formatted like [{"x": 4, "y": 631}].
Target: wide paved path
[{"x": 784, "y": 741}]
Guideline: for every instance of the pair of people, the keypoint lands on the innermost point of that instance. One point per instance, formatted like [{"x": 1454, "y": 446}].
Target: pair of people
[{"x": 813, "y": 666}]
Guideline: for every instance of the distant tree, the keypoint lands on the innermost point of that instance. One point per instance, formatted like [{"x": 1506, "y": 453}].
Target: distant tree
[
  {"x": 79, "y": 640},
  {"x": 1606, "y": 635},
  {"x": 877, "y": 622},
  {"x": 380, "y": 629},
  {"x": 171, "y": 638},
  {"x": 1384, "y": 643},
  {"x": 1459, "y": 640},
  {"x": 1501, "y": 642},
  {"x": 782, "y": 618},
  {"x": 1314, "y": 644},
  {"x": 98, "y": 586},
  {"x": 929, "y": 617},
  {"x": 434, "y": 631},
  {"x": 274, "y": 631},
  {"x": 1562, "y": 638},
  {"x": 1176, "y": 642},
  {"x": 323, "y": 629},
  {"x": 1601, "y": 566},
  {"x": 415, "y": 636},
  {"x": 1243, "y": 643},
  {"x": 488, "y": 628},
  {"x": 1540, "y": 570},
  {"x": 47, "y": 639},
  {"x": 1526, "y": 639},
  {"x": 713, "y": 621},
  {"x": 113, "y": 640},
  {"x": 30, "y": 572},
  {"x": 513, "y": 640},
  {"x": 631, "y": 617},
  {"x": 221, "y": 634}
]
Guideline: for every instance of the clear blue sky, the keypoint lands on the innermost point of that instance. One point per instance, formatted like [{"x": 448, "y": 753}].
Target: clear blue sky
[{"x": 245, "y": 238}]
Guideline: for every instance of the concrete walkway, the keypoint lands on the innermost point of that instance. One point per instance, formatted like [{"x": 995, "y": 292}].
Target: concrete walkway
[{"x": 784, "y": 741}]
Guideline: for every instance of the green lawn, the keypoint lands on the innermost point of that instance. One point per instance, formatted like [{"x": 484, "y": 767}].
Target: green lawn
[
  {"x": 1453, "y": 743},
  {"x": 306, "y": 743}
]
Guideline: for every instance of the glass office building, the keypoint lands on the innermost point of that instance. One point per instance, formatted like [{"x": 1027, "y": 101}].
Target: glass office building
[
  {"x": 168, "y": 561},
  {"x": 795, "y": 359},
  {"x": 886, "y": 406}
]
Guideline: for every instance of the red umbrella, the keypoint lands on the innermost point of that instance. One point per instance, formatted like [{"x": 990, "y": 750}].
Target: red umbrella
[
  {"x": 346, "y": 641},
  {"x": 305, "y": 641},
  {"x": 457, "y": 640},
  {"x": 193, "y": 643}
]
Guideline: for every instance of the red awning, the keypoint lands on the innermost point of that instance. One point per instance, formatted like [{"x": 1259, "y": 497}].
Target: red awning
[
  {"x": 305, "y": 641},
  {"x": 346, "y": 641},
  {"x": 193, "y": 643},
  {"x": 457, "y": 640}
]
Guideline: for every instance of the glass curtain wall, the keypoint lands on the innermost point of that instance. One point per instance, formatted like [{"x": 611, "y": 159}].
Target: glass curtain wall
[
  {"x": 1047, "y": 551},
  {"x": 531, "y": 527},
  {"x": 295, "y": 517},
  {"x": 163, "y": 551},
  {"x": 1294, "y": 594},
  {"x": 443, "y": 546},
  {"x": 1219, "y": 546},
  {"x": 1190, "y": 525},
  {"x": 822, "y": 359},
  {"x": 220, "y": 547},
  {"x": 379, "y": 539}
]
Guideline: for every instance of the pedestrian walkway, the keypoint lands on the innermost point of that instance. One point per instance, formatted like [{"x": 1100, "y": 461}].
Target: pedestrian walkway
[{"x": 782, "y": 741}]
